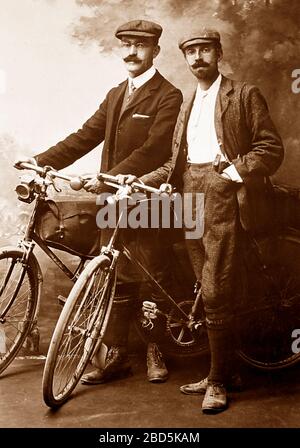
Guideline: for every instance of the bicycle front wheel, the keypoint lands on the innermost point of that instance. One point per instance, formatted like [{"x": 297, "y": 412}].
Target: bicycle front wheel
[
  {"x": 267, "y": 328},
  {"x": 80, "y": 327},
  {"x": 19, "y": 291}
]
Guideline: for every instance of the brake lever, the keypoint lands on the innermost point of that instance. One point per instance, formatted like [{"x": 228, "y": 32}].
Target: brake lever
[{"x": 52, "y": 182}]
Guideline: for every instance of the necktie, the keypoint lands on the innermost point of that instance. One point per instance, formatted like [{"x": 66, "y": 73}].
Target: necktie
[{"x": 132, "y": 88}]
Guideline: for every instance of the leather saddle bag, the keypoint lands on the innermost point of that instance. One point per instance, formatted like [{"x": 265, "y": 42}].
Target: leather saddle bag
[{"x": 69, "y": 226}]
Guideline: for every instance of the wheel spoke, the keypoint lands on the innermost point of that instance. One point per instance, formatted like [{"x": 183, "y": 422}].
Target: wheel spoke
[
  {"x": 18, "y": 300},
  {"x": 266, "y": 331},
  {"x": 68, "y": 356}
]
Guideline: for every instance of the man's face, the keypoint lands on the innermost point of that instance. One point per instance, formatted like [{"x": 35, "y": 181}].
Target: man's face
[
  {"x": 202, "y": 60},
  {"x": 138, "y": 54}
]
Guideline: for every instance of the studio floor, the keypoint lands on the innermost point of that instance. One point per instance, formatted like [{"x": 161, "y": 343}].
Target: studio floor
[{"x": 269, "y": 400}]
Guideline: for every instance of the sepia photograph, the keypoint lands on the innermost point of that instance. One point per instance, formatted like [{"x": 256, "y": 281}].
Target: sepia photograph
[{"x": 150, "y": 218}]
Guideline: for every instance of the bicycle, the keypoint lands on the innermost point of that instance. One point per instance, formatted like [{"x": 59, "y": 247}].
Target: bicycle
[
  {"x": 20, "y": 272},
  {"x": 81, "y": 326}
]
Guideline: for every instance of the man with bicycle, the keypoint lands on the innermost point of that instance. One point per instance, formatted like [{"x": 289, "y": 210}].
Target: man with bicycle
[
  {"x": 136, "y": 122},
  {"x": 225, "y": 146}
]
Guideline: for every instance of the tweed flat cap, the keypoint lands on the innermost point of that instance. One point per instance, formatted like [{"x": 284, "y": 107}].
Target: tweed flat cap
[
  {"x": 142, "y": 28},
  {"x": 201, "y": 36}
]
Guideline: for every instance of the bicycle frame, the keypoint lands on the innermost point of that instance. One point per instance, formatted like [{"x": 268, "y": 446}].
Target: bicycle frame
[
  {"x": 189, "y": 319},
  {"x": 133, "y": 258},
  {"x": 31, "y": 235}
]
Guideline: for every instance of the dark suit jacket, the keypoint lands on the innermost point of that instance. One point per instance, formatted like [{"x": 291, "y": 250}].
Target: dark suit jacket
[
  {"x": 248, "y": 138},
  {"x": 132, "y": 144}
]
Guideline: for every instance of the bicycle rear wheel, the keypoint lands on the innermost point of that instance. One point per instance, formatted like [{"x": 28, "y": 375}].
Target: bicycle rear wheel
[
  {"x": 80, "y": 327},
  {"x": 266, "y": 340},
  {"x": 19, "y": 291}
]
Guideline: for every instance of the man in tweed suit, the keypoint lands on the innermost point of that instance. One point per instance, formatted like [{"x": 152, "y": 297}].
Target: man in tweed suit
[
  {"x": 136, "y": 122},
  {"x": 225, "y": 145}
]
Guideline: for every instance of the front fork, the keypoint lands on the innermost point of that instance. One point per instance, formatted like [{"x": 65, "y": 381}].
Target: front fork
[{"x": 32, "y": 342}]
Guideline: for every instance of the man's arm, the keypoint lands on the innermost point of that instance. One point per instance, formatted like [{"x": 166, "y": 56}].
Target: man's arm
[
  {"x": 266, "y": 153},
  {"x": 77, "y": 144},
  {"x": 159, "y": 176},
  {"x": 157, "y": 148}
]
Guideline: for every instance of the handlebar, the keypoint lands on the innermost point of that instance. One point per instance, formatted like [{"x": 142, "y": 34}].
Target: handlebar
[
  {"x": 113, "y": 182},
  {"x": 77, "y": 182},
  {"x": 40, "y": 170}
]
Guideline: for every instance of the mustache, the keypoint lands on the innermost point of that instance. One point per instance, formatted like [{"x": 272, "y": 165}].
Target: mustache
[
  {"x": 200, "y": 64},
  {"x": 131, "y": 59}
]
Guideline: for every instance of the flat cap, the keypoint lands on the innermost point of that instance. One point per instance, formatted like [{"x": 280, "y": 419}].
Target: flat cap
[
  {"x": 201, "y": 36},
  {"x": 142, "y": 28}
]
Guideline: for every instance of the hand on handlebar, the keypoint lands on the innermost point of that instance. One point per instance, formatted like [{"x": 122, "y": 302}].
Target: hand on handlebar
[
  {"x": 123, "y": 192},
  {"x": 127, "y": 188},
  {"x": 24, "y": 159},
  {"x": 166, "y": 189},
  {"x": 92, "y": 185},
  {"x": 126, "y": 179}
]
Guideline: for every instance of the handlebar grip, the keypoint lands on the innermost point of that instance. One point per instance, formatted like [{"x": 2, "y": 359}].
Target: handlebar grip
[{"x": 30, "y": 166}]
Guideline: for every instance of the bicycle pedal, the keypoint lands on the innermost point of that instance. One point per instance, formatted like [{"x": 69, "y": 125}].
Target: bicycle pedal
[
  {"x": 150, "y": 310},
  {"x": 149, "y": 307},
  {"x": 61, "y": 300}
]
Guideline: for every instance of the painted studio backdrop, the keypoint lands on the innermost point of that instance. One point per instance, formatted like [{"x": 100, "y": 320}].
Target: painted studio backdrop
[{"x": 59, "y": 59}]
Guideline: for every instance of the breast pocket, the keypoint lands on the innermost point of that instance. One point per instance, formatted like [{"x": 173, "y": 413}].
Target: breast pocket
[
  {"x": 141, "y": 125},
  {"x": 141, "y": 120}
]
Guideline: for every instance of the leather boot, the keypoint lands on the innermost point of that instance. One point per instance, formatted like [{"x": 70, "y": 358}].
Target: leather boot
[
  {"x": 215, "y": 399},
  {"x": 116, "y": 363},
  {"x": 219, "y": 336},
  {"x": 199, "y": 388},
  {"x": 116, "y": 366},
  {"x": 157, "y": 371}
]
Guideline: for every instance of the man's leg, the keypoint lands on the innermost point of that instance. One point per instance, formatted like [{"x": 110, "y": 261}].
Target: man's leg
[
  {"x": 220, "y": 241},
  {"x": 220, "y": 245},
  {"x": 116, "y": 363},
  {"x": 150, "y": 250}
]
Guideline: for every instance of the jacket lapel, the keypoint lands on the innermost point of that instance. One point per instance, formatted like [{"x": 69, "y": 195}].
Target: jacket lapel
[
  {"x": 183, "y": 118},
  {"x": 188, "y": 109},
  {"x": 222, "y": 103},
  {"x": 144, "y": 92},
  {"x": 118, "y": 96},
  {"x": 116, "y": 99},
  {"x": 179, "y": 139}
]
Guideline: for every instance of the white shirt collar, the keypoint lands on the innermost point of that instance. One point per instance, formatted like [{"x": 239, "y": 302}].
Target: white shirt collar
[
  {"x": 140, "y": 80},
  {"x": 213, "y": 89}
]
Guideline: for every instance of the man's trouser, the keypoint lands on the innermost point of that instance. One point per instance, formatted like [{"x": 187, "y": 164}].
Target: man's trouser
[
  {"x": 214, "y": 259},
  {"x": 148, "y": 246}
]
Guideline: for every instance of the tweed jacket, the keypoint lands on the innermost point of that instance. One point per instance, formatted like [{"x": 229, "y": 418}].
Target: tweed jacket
[
  {"x": 246, "y": 136},
  {"x": 137, "y": 141}
]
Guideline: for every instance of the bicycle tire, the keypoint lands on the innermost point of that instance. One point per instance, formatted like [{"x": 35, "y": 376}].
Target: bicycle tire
[
  {"x": 16, "y": 313},
  {"x": 79, "y": 328},
  {"x": 266, "y": 333}
]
